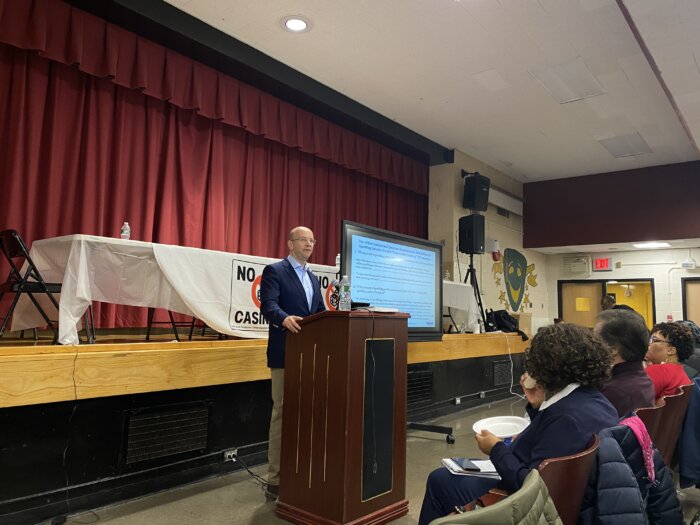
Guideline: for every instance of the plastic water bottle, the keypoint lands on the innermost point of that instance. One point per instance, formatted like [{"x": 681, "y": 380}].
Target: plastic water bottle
[
  {"x": 125, "y": 232},
  {"x": 337, "y": 261},
  {"x": 345, "y": 302}
]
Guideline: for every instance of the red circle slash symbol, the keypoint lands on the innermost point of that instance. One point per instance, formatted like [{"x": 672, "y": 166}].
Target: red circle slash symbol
[{"x": 255, "y": 290}]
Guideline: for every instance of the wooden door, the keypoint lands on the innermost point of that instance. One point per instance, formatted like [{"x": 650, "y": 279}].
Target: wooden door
[
  {"x": 580, "y": 302},
  {"x": 692, "y": 300}
]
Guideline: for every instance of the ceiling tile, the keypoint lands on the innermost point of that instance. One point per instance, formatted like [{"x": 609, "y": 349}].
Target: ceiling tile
[{"x": 441, "y": 67}]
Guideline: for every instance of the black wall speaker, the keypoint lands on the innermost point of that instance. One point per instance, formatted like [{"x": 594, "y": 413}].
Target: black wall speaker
[
  {"x": 471, "y": 234},
  {"x": 476, "y": 192}
]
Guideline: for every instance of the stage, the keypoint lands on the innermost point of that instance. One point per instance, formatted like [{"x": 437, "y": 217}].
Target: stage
[
  {"x": 36, "y": 374},
  {"x": 106, "y": 422}
]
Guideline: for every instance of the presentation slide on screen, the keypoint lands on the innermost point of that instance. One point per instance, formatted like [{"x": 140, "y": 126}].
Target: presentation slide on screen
[{"x": 397, "y": 276}]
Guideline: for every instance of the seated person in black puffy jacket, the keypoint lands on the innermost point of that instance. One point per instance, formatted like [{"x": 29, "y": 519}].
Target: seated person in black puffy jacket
[
  {"x": 620, "y": 490},
  {"x": 569, "y": 364},
  {"x": 692, "y": 364}
]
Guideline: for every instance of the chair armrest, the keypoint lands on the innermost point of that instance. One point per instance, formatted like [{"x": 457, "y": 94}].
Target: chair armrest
[
  {"x": 491, "y": 497},
  {"x": 488, "y": 499}
]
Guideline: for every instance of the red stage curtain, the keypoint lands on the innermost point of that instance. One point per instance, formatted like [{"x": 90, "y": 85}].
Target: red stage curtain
[
  {"x": 70, "y": 36},
  {"x": 82, "y": 154}
]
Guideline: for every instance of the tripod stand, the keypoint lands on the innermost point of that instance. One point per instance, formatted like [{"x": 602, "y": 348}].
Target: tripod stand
[{"x": 471, "y": 277}]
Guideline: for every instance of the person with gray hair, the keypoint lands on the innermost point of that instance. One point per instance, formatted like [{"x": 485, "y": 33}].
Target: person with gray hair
[{"x": 627, "y": 337}]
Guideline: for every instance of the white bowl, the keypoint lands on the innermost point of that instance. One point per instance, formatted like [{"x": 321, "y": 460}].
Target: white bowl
[{"x": 502, "y": 426}]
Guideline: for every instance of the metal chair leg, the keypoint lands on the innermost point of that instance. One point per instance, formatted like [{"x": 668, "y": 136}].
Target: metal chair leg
[
  {"x": 43, "y": 314},
  {"x": 92, "y": 324},
  {"x": 449, "y": 436},
  {"x": 194, "y": 319},
  {"x": 34, "y": 330},
  {"x": 8, "y": 315},
  {"x": 172, "y": 322},
  {"x": 89, "y": 322},
  {"x": 151, "y": 312}
]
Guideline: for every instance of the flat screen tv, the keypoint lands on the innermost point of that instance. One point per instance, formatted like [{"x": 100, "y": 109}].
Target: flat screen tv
[{"x": 392, "y": 270}]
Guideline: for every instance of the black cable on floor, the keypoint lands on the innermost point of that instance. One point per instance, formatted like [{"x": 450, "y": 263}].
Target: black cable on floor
[{"x": 257, "y": 478}]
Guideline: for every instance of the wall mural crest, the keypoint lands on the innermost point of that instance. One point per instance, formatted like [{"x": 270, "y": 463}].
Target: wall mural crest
[{"x": 517, "y": 277}]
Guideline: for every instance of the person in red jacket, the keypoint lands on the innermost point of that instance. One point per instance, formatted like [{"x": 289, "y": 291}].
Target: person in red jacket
[{"x": 670, "y": 344}]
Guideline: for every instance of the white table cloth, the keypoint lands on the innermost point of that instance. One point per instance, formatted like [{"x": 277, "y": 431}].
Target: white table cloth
[
  {"x": 217, "y": 287},
  {"x": 459, "y": 296}
]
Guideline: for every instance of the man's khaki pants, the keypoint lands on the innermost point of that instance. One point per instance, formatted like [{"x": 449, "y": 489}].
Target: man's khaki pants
[{"x": 275, "y": 439}]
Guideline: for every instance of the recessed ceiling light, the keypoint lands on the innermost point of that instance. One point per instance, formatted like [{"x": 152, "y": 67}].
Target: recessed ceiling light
[
  {"x": 653, "y": 244},
  {"x": 296, "y": 24}
]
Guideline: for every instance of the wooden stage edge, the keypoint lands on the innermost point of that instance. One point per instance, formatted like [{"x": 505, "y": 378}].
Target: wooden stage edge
[{"x": 31, "y": 375}]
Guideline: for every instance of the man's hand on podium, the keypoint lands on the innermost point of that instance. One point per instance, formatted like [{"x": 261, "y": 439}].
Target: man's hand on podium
[{"x": 290, "y": 323}]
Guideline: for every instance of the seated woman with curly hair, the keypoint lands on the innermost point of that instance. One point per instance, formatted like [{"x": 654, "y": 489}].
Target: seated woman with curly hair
[
  {"x": 569, "y": 364},
  {"x": 669, "y": 346}
]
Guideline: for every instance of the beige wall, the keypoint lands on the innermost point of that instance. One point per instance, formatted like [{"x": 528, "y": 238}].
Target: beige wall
[
  {"x": 663, "y": 266},
  {"x": 445, "y": 210}
]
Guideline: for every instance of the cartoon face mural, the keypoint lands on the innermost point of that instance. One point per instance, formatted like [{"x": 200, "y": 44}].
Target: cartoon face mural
[
  {"x": 518, "y": 276},
  {"x": 514, "y": 274}
]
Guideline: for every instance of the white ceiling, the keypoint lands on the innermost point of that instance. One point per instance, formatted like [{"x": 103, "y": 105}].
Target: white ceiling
[
  {"x": 458, "y": 72},
  {"x": 674, "y": 244}
]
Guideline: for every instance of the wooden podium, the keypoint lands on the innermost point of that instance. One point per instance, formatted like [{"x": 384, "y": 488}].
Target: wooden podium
[{"x": 344, "y": 420}]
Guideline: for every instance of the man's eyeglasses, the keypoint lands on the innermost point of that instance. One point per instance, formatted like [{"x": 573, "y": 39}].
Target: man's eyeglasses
[
  {"x": 653, "y": 339},
  {"x": 305, "y": 240}
]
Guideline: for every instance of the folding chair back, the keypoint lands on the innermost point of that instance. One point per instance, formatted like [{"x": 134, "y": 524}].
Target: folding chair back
[
  {"x": 566, "y": 478},
  {"x": 672, "y": 420},
  {"x": 652, "y": 419},
  {"x": 24, "y": 277},
  {"x": 16, "y": 253}
]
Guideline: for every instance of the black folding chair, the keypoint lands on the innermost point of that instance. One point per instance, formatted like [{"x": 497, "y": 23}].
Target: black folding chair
[
  {"x": 204, "y": 329},
  {"x": 174, "y": 324},
  {"x": 30, "y": 282}
]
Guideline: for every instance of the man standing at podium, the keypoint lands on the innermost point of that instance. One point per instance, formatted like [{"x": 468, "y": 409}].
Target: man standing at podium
[{"x": 288, "y": 293}]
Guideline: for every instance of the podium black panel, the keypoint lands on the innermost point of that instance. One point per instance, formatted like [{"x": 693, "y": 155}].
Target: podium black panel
[{"x": 378, "y": 427}]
